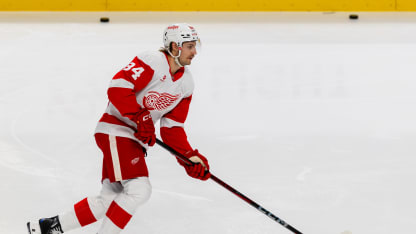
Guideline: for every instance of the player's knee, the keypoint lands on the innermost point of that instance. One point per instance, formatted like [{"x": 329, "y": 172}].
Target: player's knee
[
  {"x": 108, "y": 192},
  {"x": 138, "y": 189},
  {"x": 105, "y": 201}
]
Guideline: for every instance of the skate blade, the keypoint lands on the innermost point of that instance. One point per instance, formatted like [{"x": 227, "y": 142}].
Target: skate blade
[{"x": 33, "y": 228}]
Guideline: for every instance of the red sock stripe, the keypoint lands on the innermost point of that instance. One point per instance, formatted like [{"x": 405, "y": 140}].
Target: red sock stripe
[
  {"x": 118, "y": 215},
  {"x": 84, "y": 213}
]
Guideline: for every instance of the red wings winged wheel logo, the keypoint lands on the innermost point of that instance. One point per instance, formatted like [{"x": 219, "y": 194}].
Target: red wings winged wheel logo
[{"x": 159, "y": 101}]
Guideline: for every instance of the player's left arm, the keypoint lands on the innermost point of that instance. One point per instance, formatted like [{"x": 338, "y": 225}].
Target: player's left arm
[{"x": 173, "y": 134}]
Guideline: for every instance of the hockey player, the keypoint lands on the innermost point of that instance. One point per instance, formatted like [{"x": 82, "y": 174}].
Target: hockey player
[{"x": 153, "y": 86}]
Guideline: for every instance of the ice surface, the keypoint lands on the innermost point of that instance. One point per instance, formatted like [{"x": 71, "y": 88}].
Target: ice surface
[{"x": 309, "y": 114}]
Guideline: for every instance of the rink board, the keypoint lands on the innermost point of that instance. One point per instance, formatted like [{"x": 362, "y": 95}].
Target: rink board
[{"x": 209, "y": 5}]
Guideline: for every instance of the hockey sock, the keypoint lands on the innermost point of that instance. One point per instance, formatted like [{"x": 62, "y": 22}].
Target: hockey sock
[
  {"x": 90, "y": 209},
  {"x": 136, "y": 192},
  {"x": 68, "y": 221}
]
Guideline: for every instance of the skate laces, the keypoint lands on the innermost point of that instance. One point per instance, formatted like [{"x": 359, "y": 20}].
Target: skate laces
[
  {"x": 52, "y": 225},
  {"x": 55, "y": 228}
]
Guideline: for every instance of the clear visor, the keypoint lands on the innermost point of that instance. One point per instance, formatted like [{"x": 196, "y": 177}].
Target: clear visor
[{"x": 198, "y": 45}]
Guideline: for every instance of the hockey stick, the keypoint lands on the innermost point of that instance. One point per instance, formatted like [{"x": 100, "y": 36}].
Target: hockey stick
[{"x": 231, "y": 189}]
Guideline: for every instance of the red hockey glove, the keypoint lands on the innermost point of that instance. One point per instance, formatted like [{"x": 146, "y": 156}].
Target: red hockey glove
[
  {"x": 200, "y": 168},
  {"x": 145, "y": 127}
]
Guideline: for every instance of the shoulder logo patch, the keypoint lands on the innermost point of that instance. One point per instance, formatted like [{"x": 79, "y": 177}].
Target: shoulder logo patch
[{"x": 159, "y": 101}]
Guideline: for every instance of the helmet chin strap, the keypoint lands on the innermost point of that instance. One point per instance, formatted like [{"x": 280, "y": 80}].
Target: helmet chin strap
[{"x": 176, "y": 57}]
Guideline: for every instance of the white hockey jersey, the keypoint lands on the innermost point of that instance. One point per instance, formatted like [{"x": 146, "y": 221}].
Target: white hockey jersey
[{"x": 148, "y": 83}]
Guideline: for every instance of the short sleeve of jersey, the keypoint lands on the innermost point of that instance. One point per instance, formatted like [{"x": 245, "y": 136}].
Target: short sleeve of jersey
[
  {"x": 128, "y": 81},
  {"x": 136, "y": 75}
]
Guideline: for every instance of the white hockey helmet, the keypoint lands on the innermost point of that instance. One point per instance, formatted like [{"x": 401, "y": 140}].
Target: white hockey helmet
[{"x": 179, "y": 33}]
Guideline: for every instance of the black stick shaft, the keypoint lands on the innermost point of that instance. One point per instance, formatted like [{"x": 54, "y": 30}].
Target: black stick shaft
[{"x": 231, "y": 189}]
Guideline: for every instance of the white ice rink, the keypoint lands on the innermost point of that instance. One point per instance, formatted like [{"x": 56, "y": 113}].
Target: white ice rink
[{"x": 311, "y": 115}]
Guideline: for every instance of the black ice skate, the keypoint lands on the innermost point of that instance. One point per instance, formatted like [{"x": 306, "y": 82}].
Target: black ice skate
[{"x": 45, "y": 226}]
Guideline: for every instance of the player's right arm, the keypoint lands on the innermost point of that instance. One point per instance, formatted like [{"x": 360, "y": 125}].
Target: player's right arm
[
  {"x": 122, "y": 95},
  {"x": 126, "y": 83}
]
